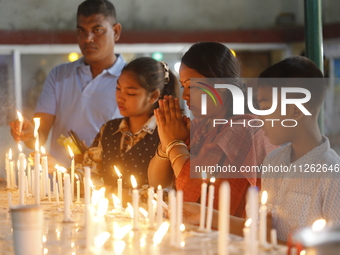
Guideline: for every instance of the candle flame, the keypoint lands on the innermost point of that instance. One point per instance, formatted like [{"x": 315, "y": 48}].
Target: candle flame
[
  {"x": 20, "y": 118},
  {"x": 36, "y": 126},
  {"x": 97, "y": 195},
  {"x": 212, "y": 180},
  {"x": 37, "y": 145},
  {"x": 264, "y": 197},
  {"x": 120, "y": 233},
  {"x": 62, "y": 169},
  {"x": 103, "y": 205},
  {"x": 42, "y": 149},
  {"x": 116, "y": 201},
  {"x": 159, "y": 186},
  {"x": 143, "y": 212},
  {"x": 129, "y": 209},
  {"x": 182, "y": 227},
  {"x": 117, "y": 172},
  {"x": 19, "y": 147},
  {"x": 303, "y": 252},
  {"x": 100, "y": 239},
  {"x": 70, "y": 151},
  {"x": 247, "y": 223},
  {"x": 119, "y": 247},
  {"x": 319, "y": 224},
  {"x": 10, "y": 154},
  {"x": 160, "y": 233},
  {"x": 76, "y": 176},
  {"x": 133, "y": 182}
]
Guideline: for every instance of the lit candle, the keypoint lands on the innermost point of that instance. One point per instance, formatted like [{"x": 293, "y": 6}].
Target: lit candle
[
  {"x": 179, "y": 216},
  {"x": 223, "y": 218},
  {"x": 29, "y": 176},
  {"x": 135, "y": 200},
  {"x": 60, "y": 171},
  {"x": 119, "y": 185},
  {"x": 8, "y": 177},
  {"x": 173, "y": 224},
  {"x": 44, "y": 176},
  {"x": 159, "y": 206},
  {"x": 210, "y": 203},
  {"x": 54, "y": 182},
  {"x": 78, "y": 189},
  {"x": 151, "y": 213},
  {"x": 203, "y": 202},
  {"x": 72, "y": 170},
  {"x": 88, "y": 207},
  {"x": 36, "y": 161},
  {"x": 252, "y": 204},
  {"x": 11, "y": 170},
  {"x": 22, "y": 166},
  {"x": 67, "y": 199},
  {"x": 21, "y": 121},
  {"x": 263, "y": 219},
  {"x": 246, "y": 235},
  {"x": 160, "y": 233}
]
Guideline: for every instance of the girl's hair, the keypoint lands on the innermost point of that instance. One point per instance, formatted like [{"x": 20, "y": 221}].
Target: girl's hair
[
  {"x": 152, "y": 75},
  {"x": 215, "y": 60}
]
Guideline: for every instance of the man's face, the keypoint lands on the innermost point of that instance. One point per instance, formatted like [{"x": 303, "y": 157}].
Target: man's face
[{"x": 96, "y": 37}]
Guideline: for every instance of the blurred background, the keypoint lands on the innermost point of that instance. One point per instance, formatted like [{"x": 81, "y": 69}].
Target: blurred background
[{"x": 36, "y": 35}]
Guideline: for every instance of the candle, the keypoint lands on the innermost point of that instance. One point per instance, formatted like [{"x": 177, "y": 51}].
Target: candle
[
  {"x": 135, "y": 200},
  {"x": 159, "y": 206},
  {"x": 22, "y": 167},
  {"x": 49, "y": 191},
  {"x": 151, "y": 213},
  {"x": 72, "y": 170},
  {"x": 78, "y": 189},
  {"x": 119, "y": 185},
  {"x": 67, "y": 199},
  {"x": 8, "y": 177},
  {"x": 223, "y": 218},
  {"x": 173, "y": 224},
  {"x": 60, "y": 171},
  {"x": 203, "y": 204},
  {"x": 26, "y": 187},
  {"x": 210, "y": 203},
  {"x": 273, "y": 237},
  {"x": 56, "y": 194},
  {"x": 246, "y": 235},
  {"x": 179, "y": 216},
  {"x": 263, "y": 219},
  {"x": 21, "y": 121},
  {"x": 45, "y": 179},
  {"x": 54, "y": 182},
  {"x": 11, "y": 169},
  {"x": 29, "y": 177},
  {"x": 252, "y": 204},
  {"x": 36, "y": 161},
  {"x": 87, "y": 187},
  {"x": 88, "y": 207}
]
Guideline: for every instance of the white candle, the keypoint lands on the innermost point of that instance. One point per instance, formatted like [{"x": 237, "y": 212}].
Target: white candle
[
  {"x": 45, "y": 179},
  {"x": 49, "y": 191},
  {"x": 54, "y": 182},
  {"x": 119, "y": 185},
  {"x": 210, "y": 203},
  {"x": 36, "y": 177},
  {"x": 159, "y": 206},
  {"x": 67, "y": 198},
  {"x": 29, "y": 177},
  {"x": 223, "y": 218},
  {"x": 203, "y": 205},
  {"x": 173, "y": 224},
  {"x": 135, "y": 200},
  {"x": 21, "y": 121},
  {"x": 56, "y": 194},
  {"x": 78, "y": 191},
  {"x": 11, "y": 170},
  {"x": 72, "y": 170},
  {"x": 273, "y": 237},
  {"x": 252, "y": 203},
  {"x": 246, "y": 235},
  {"x": 8, "y": 177},
  {"x": 151, "y": 213},
  {"x": 22, "y": 167},
  {"x": 263, "y": 219},
  {"x": 179, "y": 216},
  {"x": 26, "y": 187},
  {"x": 87, "y": 187},
  {"x": 60, "y": 171}
]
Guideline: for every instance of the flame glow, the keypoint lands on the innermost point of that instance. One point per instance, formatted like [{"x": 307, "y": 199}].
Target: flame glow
[
  {"x": 20, "y": 118},
  {"x": 100, "y": 239},
  {"x": 120, "y": 233},
  {"x": 42, "y": 149},
  {"x": 103, "y": 205},
  {"x": 36, "y": 126},
  {"x": 247, "y": 223},
  {"x": 133, "y": 182},
  {"x": 160, "y": 233},
  {"x": 76, "y": 176},
  {"x": 319, "y": 224},
  {"x": 264, "y": 197},
  {"x": 118, "y": 247},
  {"x": 212, "y": 180},
  {"x": 116, "y": 202},
  {"x": 117, "y": 172},
  {"x": 182, "y": 227},
  {"x": 129, "y": 210},
  {"x": 143, "y": 212},
  {"x": 70, "y": 151},
  {"x": 97, "y": 195},
  {"x": 19, "y": 147},
  {"x": 10, "y": 154}
]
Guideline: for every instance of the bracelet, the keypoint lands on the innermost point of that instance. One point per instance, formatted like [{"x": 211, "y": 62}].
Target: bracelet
[
  {"x": 173, "y": 144},
  {"x": 178, "y": 156},
  {"x": 160, "y": 151},
  {"x": 158, "y": 155}
]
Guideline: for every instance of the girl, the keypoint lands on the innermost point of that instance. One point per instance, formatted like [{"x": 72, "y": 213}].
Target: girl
[
  {"x": 130, "y": 142},
  {"x": 210, "y": 145}
]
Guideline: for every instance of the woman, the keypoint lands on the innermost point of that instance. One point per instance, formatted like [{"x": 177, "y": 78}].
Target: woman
[{"x": 210, "y": 145}]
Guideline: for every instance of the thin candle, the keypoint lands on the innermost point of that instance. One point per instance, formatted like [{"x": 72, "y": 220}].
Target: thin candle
[
  {"x": 135, "y": 200},
  {"x": 44, "y": 179},
  {"x": 119, "y": 185},
  {"x": 151, "y": 213},
  {"x": 263, "y": 219},
  {"x": 11, "y": 170},
  {"x": 21, "y": 121},
  {"x": 72, "y": 170},
  {"x": 179, "y": 216},
  {"x": 203, "y": 201},
  {"x": 8, "y": 177},
  {"x": 37, "y": 173},
  {"x": 210, "y": 203},
  {"x": 67, "y": 199},
  {"x": 78, "y": 188},
  {"x": 159, "y": 206},
  {"x": 246, "y": 235},
  {"x": 173, "y": 232},
  {"x": 252, "y": 203},
  {"x": 223, "y": 219},
  {"x": 22, "y": 167}
]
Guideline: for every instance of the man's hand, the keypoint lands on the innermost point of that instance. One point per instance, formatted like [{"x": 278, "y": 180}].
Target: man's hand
[{"x": 26, "y": 133}]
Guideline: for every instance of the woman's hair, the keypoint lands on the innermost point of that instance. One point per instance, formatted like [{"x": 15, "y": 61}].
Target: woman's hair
[
  {"x": 152, "y": 75},
  {"x": 215, "y": 60}
]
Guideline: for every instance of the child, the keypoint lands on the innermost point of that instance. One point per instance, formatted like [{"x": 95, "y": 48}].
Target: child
[
  {"x": 129, "y": 143},
  {"x": 295, "y": 202}
]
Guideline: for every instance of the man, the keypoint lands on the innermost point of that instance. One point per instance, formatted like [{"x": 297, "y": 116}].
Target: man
[{"x": 80, "y": 96}]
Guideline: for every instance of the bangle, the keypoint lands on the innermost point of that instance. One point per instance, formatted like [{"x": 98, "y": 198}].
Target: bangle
[
  {"x": 158, "y": 155},
  {"x": 160, "y": 151},
  {"x": 178, "y": 156},
  {"x": 173, "y": 144}
]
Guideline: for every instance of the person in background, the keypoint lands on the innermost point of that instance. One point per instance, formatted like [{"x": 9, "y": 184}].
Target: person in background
[
  {"x": 80, "y": 96},
  {"x": 223, "y": 145}
]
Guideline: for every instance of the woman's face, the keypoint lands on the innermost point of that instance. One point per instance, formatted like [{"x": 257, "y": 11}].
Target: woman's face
[{"x": 192, "y": 93}]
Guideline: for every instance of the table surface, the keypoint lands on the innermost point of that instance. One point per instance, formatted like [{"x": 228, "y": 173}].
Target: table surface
[{"x": 69, "y": 238}]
